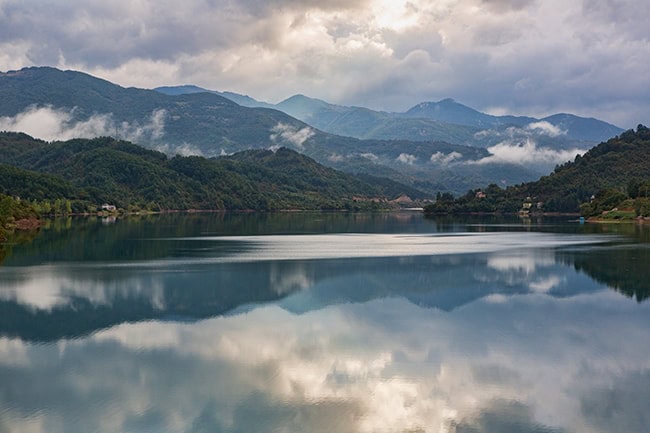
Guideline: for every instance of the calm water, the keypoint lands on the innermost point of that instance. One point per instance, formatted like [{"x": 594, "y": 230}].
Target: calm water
[{"x": 326, "y": 323}]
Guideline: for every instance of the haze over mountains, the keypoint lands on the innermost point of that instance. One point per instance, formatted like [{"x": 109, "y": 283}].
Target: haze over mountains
[
  {"x": 425, "y": 121},
  {"x": 415, "y": 148}
]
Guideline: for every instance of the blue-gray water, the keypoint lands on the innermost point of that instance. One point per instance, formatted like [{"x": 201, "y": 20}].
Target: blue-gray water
[{"x": 326, "y": 323}]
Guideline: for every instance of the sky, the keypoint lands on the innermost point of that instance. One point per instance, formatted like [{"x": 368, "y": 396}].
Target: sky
[{"x": 526, "y": 57}]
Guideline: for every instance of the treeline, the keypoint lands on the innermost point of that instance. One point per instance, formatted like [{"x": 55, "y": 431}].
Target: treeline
[
  {"x": 619, "y": 165},
  {"x": 12, "y": 211},
  {"x": 80, "y": 175},
  {"x": 612, "y": 203}
]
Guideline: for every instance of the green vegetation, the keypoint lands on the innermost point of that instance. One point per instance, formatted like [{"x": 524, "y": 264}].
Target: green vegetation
[
  {"x": 213, "y": 125},
  {"x": 12, "y": 212},
  {"x": 614, "y": 204},
  {"x": 600, "y": 180},
  {"x": 80, "y": 175}
]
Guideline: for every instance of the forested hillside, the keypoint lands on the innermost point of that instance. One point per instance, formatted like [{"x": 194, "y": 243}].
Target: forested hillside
[
  {"x": 75, "y": 104},
  {"x": 614, "y": 170},
  {"x": 88, "y": 173}
]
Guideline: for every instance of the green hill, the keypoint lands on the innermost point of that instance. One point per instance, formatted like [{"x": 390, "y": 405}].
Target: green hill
[
  {"x": 104, "y": 170},
  {"x": 211, "y": 125},
  {"x": 607, "y": 175}
]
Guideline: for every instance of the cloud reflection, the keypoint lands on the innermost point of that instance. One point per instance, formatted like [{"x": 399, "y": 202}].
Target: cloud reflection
[{"x": 382, "y": 366}]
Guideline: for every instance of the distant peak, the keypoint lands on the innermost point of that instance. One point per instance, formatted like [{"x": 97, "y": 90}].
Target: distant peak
[
  {"x": 299, "y": 97},
  {"x": 429, "y": 104}
]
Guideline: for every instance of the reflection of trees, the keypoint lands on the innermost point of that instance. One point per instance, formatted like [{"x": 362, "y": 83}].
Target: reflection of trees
[
  {"x": 624, "y": 269},
  {"x": 18, "y": 237},
  {"x": 87, "y": 239},
  {"x": 204, "y": 289}
]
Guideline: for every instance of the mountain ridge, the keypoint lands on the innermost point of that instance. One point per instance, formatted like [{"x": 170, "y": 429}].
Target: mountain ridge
[
  {"x": 209, "y": 124},
  {"x": 329, "y": 118}
]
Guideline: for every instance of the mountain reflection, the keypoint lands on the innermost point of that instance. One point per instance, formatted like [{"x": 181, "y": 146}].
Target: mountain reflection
[
  {"x": 320, "y": 323},
  {"x": 197, "y": 277}
]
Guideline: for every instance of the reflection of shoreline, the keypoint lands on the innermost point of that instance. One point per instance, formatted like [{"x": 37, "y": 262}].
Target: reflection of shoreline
[
  {"x": 17, "y": 237},
  {"x": 625, "y": 270},
  {"x": 636, "y": 220},
  {"x": 73, "y": 301},
  {"x": 194, "y": 268}
]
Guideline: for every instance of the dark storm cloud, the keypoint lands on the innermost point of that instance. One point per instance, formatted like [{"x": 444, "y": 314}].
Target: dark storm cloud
[{"x": 521, "y": 56}]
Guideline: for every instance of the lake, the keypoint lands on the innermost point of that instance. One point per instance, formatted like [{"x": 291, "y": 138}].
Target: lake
[{"x": 310, "y": 322}]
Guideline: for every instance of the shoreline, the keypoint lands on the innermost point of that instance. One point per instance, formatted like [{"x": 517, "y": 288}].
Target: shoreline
[{"x": 637, "y": 220}]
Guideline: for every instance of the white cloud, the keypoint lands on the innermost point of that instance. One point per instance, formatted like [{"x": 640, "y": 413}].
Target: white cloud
[
  {"x": 370, "y": 156},
  {"x": 52, "y": 124},
  {"x": 384, "y": 54},
  {"x": 546, "y": 128},
  {"x": 527, "y": 153},
  {"x": 407, "y": 158},
  {"x": 290, "y": 134},
  {"x": 445, "y": 159}
]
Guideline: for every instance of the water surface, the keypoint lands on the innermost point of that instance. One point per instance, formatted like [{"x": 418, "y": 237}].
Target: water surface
[{"x": 326, "y": 322}]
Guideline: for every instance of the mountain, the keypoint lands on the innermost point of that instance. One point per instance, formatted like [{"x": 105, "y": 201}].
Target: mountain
[
  {"x": 183, "y": 90},
  {"x": 364, "y": 123},
  {"x": 211, "y": 123},
  {"x": 75, "y": 104},
  {"x": 450, "y": 111},
  {"x": 104, "y": 170},
  {"x": 568, "y": 125},
  {"x": 243, "y": 100},
  {"x": 588, "y": 129},
  {"x": 445, "y": 120},
  {"x": 606, "y": 173}
]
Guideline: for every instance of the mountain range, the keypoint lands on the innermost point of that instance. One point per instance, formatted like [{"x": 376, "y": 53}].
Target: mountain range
[
  {"x": 445, "y": 120},
  {"x": 187, "y": 120}
]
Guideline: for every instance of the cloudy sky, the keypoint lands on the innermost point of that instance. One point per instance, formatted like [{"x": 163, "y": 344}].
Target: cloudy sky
[{"x": 533, "y": 57}]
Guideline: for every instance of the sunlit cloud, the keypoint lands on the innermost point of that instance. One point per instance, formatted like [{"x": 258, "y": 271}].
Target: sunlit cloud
[{"x": 383, "y": 54}]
